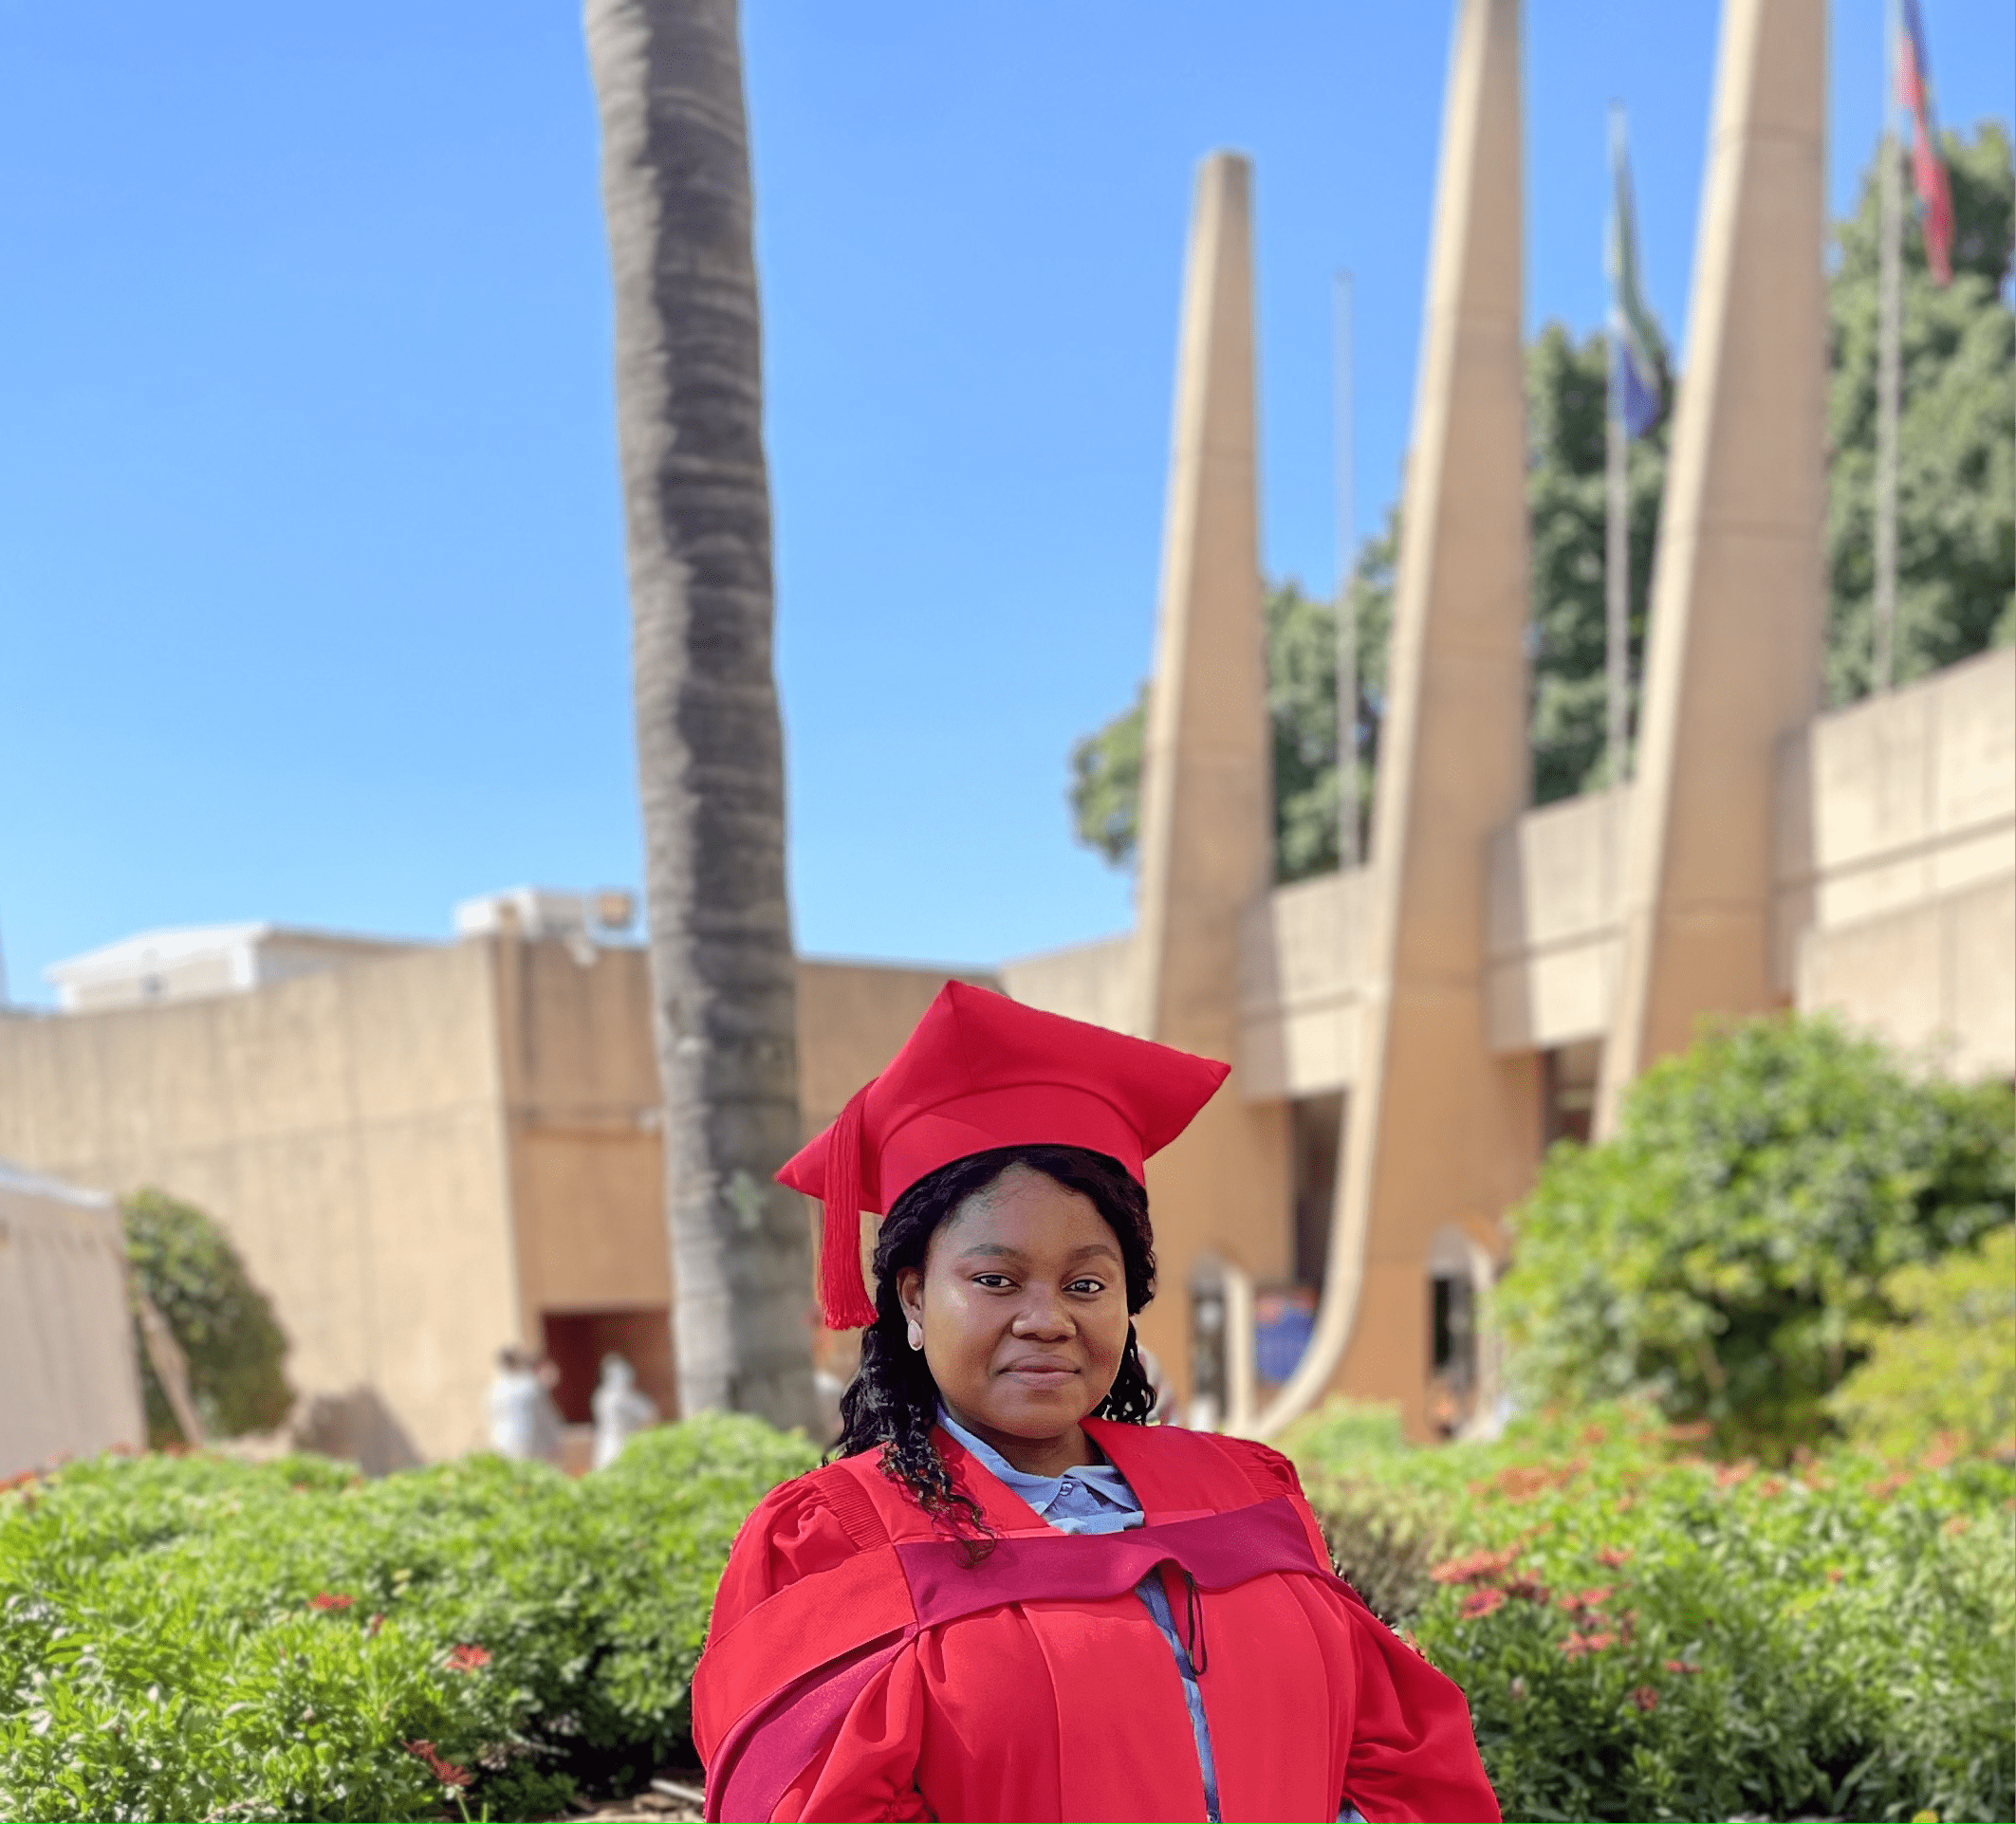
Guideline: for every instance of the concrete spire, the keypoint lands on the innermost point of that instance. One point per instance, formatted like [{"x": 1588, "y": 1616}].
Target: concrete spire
[
  {"x": 1440, "y": 1131},
  {"x": 1207, "y": 808},
  {"x": 1733, "y": 664}
]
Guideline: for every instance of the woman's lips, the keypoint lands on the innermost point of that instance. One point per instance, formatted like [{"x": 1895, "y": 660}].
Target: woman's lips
[{"x": 1044, "y": 1372}]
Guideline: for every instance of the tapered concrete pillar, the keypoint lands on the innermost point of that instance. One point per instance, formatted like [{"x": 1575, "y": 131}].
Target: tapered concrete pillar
[
  {"x": 1207, "y": 809},
  {"x": 1440, "y": 1132},
  {"x": 1734, "y": 652}
]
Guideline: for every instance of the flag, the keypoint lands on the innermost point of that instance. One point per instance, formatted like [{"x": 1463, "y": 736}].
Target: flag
[
  {"x": 1928, "y": 170},
  {"x": 1637, "y": 354}
]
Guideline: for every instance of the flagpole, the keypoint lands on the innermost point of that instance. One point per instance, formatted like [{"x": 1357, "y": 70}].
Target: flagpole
[
  {"x": 1616, "y": 547},
  {"x": 1888, "y": 368},
  {"x": 1349, "y": 850}
]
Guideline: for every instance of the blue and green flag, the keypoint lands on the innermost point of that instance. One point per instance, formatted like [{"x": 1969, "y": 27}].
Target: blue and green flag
[{"x": 1638, "y": 354}]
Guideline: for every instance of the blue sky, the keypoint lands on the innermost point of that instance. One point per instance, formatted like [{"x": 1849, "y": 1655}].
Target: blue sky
[{"x": 311, "y": 592}]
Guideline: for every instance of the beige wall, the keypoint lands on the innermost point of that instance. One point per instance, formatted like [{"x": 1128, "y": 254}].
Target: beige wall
[
  {"x": 1896, "y": 849},
  {"x": 581, "y": 1096},
  {"x": 852, "y": 1019},
  {"x": 346, "y": 1129}
]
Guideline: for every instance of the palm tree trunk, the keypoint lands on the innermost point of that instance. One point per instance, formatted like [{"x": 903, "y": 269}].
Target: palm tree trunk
[{"x": 676, "y": 192}]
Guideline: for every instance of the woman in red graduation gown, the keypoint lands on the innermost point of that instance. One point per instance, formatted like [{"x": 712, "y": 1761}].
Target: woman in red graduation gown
[{"x": 1012, "y": 1598}]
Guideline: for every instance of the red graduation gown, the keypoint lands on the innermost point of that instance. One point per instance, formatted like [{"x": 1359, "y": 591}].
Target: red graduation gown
[{"x": 856, "y": 1668}]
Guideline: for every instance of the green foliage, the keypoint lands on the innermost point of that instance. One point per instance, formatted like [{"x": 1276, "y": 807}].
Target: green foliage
[
  {"x": 183, "y": 1261},
  {"x": 1566, "y": 386},
  {"x": 163, "y": 1653},
  {"x": 1643, "y": 1635},
  {"x": 1384, "y": 1536},
  {"x": 1944, "y": 1372},
  {"x": 1302, "y": 705},
  {"x": 1956, "y": 566},
  {"x": 1106, "y": 784},
  {"x": 1722, "y": 1250}
]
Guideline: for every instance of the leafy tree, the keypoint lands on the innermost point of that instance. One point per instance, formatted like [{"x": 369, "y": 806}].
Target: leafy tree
[
  {"x": 1106, "y": 784},
  {"x": 1566, "y": 391},
  {"x": 1945, "y": 1371},
  {"x": 1955, "y": 567},
  {"x": 1301, "y": 704},
  {"x": 186, "y": 1265},
  {"x": 1722, "y": 1251}
]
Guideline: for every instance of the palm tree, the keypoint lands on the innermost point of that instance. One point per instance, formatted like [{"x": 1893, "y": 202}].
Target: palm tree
[{"x": 689, "y": 384}]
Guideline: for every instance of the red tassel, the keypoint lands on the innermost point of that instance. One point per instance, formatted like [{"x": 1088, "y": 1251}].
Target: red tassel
[{"x": 842, "y": 1292}]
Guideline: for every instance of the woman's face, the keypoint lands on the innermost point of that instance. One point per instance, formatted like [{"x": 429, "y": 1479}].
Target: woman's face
[{"x": 1022, "y": 1302}]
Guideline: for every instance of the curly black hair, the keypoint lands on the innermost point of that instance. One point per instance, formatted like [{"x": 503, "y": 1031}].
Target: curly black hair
[{"x": 893, "y": 1402}]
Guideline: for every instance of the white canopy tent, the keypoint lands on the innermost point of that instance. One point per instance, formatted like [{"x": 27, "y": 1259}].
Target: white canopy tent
[{"x": 69, "y": 1380}]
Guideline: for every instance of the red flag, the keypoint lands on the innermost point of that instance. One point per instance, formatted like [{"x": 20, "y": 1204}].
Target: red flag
[{"x": 1928, "y": 170}]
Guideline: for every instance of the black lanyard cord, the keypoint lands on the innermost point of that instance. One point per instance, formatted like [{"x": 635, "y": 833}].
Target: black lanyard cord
[{"x": 1194, "y": 1622}]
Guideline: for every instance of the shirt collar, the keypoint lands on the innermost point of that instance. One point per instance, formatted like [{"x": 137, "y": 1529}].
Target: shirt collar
[{"x": 1039, "y": 1492}]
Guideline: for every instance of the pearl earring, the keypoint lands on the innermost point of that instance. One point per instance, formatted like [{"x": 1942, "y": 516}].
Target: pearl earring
[{"x": 917, "y": 1335}]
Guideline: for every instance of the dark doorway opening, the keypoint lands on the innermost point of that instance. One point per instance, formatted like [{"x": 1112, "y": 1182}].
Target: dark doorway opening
[
  {"x": 576, "y": 1341},
  {"x": 1319, "y": 1128}
]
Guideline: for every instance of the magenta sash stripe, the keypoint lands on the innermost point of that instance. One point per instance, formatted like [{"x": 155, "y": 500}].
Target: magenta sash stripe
[{"x": 772, "y": 1742}]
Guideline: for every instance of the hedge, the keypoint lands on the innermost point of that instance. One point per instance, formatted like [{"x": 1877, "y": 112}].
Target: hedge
[
  {"x": 194, "y": 1637},
  {"x": 1644, "y": 1633}
]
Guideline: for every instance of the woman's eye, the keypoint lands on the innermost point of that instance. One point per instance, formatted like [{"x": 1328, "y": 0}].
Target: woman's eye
[
  {"x": 993, "y": 1281},
  {"x": 1089, "y": 1286}
]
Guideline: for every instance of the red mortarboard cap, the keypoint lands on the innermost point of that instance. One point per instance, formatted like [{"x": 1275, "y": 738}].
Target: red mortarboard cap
[{"x": 982, "y": 1071}]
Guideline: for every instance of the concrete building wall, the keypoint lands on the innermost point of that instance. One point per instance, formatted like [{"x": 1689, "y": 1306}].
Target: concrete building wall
[
  {"x": 1896, "y": 854},
  {"x": 1097, "y": 982},
  {"x": 347, "y": 1130}
]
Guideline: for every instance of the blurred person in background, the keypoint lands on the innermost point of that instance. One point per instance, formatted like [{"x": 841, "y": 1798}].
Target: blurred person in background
[
  {"x": 524, "y": 1422},
  {"x": 622, "y": 1409}
]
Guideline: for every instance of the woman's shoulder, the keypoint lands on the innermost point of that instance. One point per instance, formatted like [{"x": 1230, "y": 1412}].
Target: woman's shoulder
[
  {"x": 811, "y": 1523},
  {"x": 1266, "y": 1471}
]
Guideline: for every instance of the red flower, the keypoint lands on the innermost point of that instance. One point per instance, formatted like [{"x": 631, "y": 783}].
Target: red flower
[
  {"x": 1529, "y": 1590},
  {"x": 1613, "y": 1557},
  {"x": 1732, "y": 1473},
  {"x": 445, "y": 1771},
  {"x": 1955, "y": 1526},
  {"x": 1480, "y": 1602},
  {"x": 1584, "y": 1601},
  {"x": 375, "y": 1623},
  {"x": 468, "y": 1659},
  {"x": 1683, "y": 1667},
  {"x": 1575, "y": 1645},
  {"x": 323, "y": 1599},
  {"x": 1645, "y": 1697},
  {"x": 1478, "y": 1567},
  {"x": 1692, "y": 1431}
]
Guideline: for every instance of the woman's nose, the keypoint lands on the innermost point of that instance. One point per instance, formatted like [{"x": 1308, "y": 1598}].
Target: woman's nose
[{"x": 1043, "y": 1313}]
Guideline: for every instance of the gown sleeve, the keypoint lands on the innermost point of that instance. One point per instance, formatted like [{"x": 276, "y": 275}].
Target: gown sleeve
[
  {"x": 793, "y": 1533},
  {"x": 868, "y": 1768}
]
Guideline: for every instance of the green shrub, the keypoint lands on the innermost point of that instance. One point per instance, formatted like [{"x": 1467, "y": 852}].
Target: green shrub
[
  {"x": 1643, "y": 1633},
  {"x": 183, "y": 1261},
  {"x": 1727, "y": 1248},
  {"x": 1383, "y": 1535},
  {"x": 1944, "y": 1372},
  {"x": 198, "y": 1638}
]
